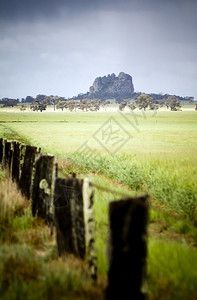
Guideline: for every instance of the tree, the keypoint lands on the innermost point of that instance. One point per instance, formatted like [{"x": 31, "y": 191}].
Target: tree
[
  {"x": 62, "y": 104},
  {"x": 72, "y": 104},
  {"x": 122, "y": 105},
  {"x": 86, "y": 103},
  {"x": 7, "y": 102},
  {"x": 94, "y": 105},
  {"x": 40, "y": 97},
  {"x": 174, "y": 103},
  {"x": 29, "y": 99},
  {"x": 144, "y": 101},
  {"x": 52, "y": 100},
  {"x": 37, "y": 105},
  {"x": 132, "y": 106},
  {"x": 23, "y": 108}
]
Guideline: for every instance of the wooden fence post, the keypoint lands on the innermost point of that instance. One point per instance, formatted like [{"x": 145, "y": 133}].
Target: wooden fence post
[
  {"x": 88, "y": 198},
  {"x": 15, "y": 169},
  {"x": 128, "y": 249},
  {"x": 3, "y": 154},
  {"x": 22, "y": 158},
  {"x": 42, "y": 187},
  {"x": 69, "y": 216},
  {"x": 65, "y": 235},
  {"x": 1, "y": 150},
  {"x": 7, "y": 154},
  {"x": 26, "y": 173}
]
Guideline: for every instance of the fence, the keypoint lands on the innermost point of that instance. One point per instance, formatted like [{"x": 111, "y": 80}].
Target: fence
[{"x": 68, "y": 204}]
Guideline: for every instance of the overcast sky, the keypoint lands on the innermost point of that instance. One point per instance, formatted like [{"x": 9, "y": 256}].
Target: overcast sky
[{"x": 59, "y": 47}]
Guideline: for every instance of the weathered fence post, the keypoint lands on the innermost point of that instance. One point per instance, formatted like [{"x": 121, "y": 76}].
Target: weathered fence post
[
  {"x": 42, "y": 187},
  {"x": 7, "y": 154},
  {"x": 128, "y": 249},
  {"x": 15, "y": 169},
  {"x": 88, "y": 198},
  {"x": 65, "y": 235},
  {"x": 69, "y": 216},
  {"x": 22, "y": 158},
  {"x": 26, "y": 173},
  {"x": 1, "y": 150}
]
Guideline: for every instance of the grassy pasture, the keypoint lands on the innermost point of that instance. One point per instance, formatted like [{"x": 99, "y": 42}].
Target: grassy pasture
[{"x": 159, "y": 158}]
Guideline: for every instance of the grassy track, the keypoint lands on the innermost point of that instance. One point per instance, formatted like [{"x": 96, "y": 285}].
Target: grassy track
[{"x": 159, "y": 158}]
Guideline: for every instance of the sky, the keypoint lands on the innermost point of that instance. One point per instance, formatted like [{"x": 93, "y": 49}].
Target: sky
[{"x": 60, "y": 46}]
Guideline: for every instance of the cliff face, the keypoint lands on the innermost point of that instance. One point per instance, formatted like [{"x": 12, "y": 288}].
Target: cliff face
[{"x": 112, "y": 86}]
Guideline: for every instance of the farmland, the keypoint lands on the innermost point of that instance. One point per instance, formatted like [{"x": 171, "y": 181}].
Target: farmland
[{"x": 133, "y": 152}]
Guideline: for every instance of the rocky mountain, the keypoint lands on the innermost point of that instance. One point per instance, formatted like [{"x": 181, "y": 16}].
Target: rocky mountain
[{"x": 119, "y": 87}]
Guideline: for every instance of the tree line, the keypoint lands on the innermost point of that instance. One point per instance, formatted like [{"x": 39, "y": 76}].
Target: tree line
[{"x": 142, "y": 102}]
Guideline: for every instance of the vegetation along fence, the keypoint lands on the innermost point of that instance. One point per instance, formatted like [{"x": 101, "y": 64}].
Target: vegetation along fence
[{"x": 68, "y": 204}]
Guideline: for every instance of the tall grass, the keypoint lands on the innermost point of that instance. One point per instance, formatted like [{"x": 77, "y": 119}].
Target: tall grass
[
  {"x": 11, "y": 206},
  {"x": 172, "y": 271},
  {"x": 165, "y": 186}
]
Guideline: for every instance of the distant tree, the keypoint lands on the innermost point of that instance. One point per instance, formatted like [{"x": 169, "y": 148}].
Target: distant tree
[
  {"x": 162, "y": 102},
  {"x": 7, "y": 102},
  {"x": 174, "y": 103},
  {"x": 94, "y": 105},
  {"x": 38, "y": 106},
  {"x": 144, "y": 101},
  {"x": 71, "y": 105},
  {"x": 154, "y": 106},
  {"x": 62, "y": 104},
  {"x": 86, "y": 103},
  {"x": 53, "y": 100},
  {"x": 23, "y": 108},
  {"x": 122, "y": 105},
  {"x": 196, "y": 107},
  {"x": 132, "y": 106},
  {"x": 81, "y": 106},
  {"x": 29, "y": 99},
  {"x": 40, "y": 97}
]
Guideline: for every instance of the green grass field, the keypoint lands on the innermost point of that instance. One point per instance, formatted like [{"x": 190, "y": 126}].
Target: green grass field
[{"x": 133, "y": 153}]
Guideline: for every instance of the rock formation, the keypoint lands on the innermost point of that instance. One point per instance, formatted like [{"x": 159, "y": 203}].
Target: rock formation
[{"x": 119, "y": 87}]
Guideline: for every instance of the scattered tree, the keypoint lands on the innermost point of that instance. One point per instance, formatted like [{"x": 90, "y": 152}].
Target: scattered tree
[
  {"x": 38, "y": 106},
  {"x": 144, "y": 101},
  {"x": 52, "y": 100},
  {"x": 23, "y": 108},
  {"x": 7, "y": 102},
  {"x": 62, "y": 104},
  {"x": 40, "y": 97},
  {"x": 122, "y": 105},
  {"x": 174, "y": 103},
  {"x": 132, "y": 106},
  {"x": 28, "y": 99}
]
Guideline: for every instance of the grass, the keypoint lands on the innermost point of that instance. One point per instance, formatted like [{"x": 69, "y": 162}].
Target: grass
[
  {"x": 156, "y": 159},
  {"x": 29, "y": 264},
  {"x": 173, "y": 267},
  {"x": 159, "y": 159}
]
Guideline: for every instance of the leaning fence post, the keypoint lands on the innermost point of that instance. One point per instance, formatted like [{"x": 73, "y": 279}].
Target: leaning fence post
[
  {"x": 42, "y": 187},
  {"x": 128, "y": 249},
  {"x": 88, "y": 194},
  {"x": 26, "y": 173}
]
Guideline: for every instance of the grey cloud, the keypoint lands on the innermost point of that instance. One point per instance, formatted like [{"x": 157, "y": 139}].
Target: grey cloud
[{"x": 60, "y": 47}]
